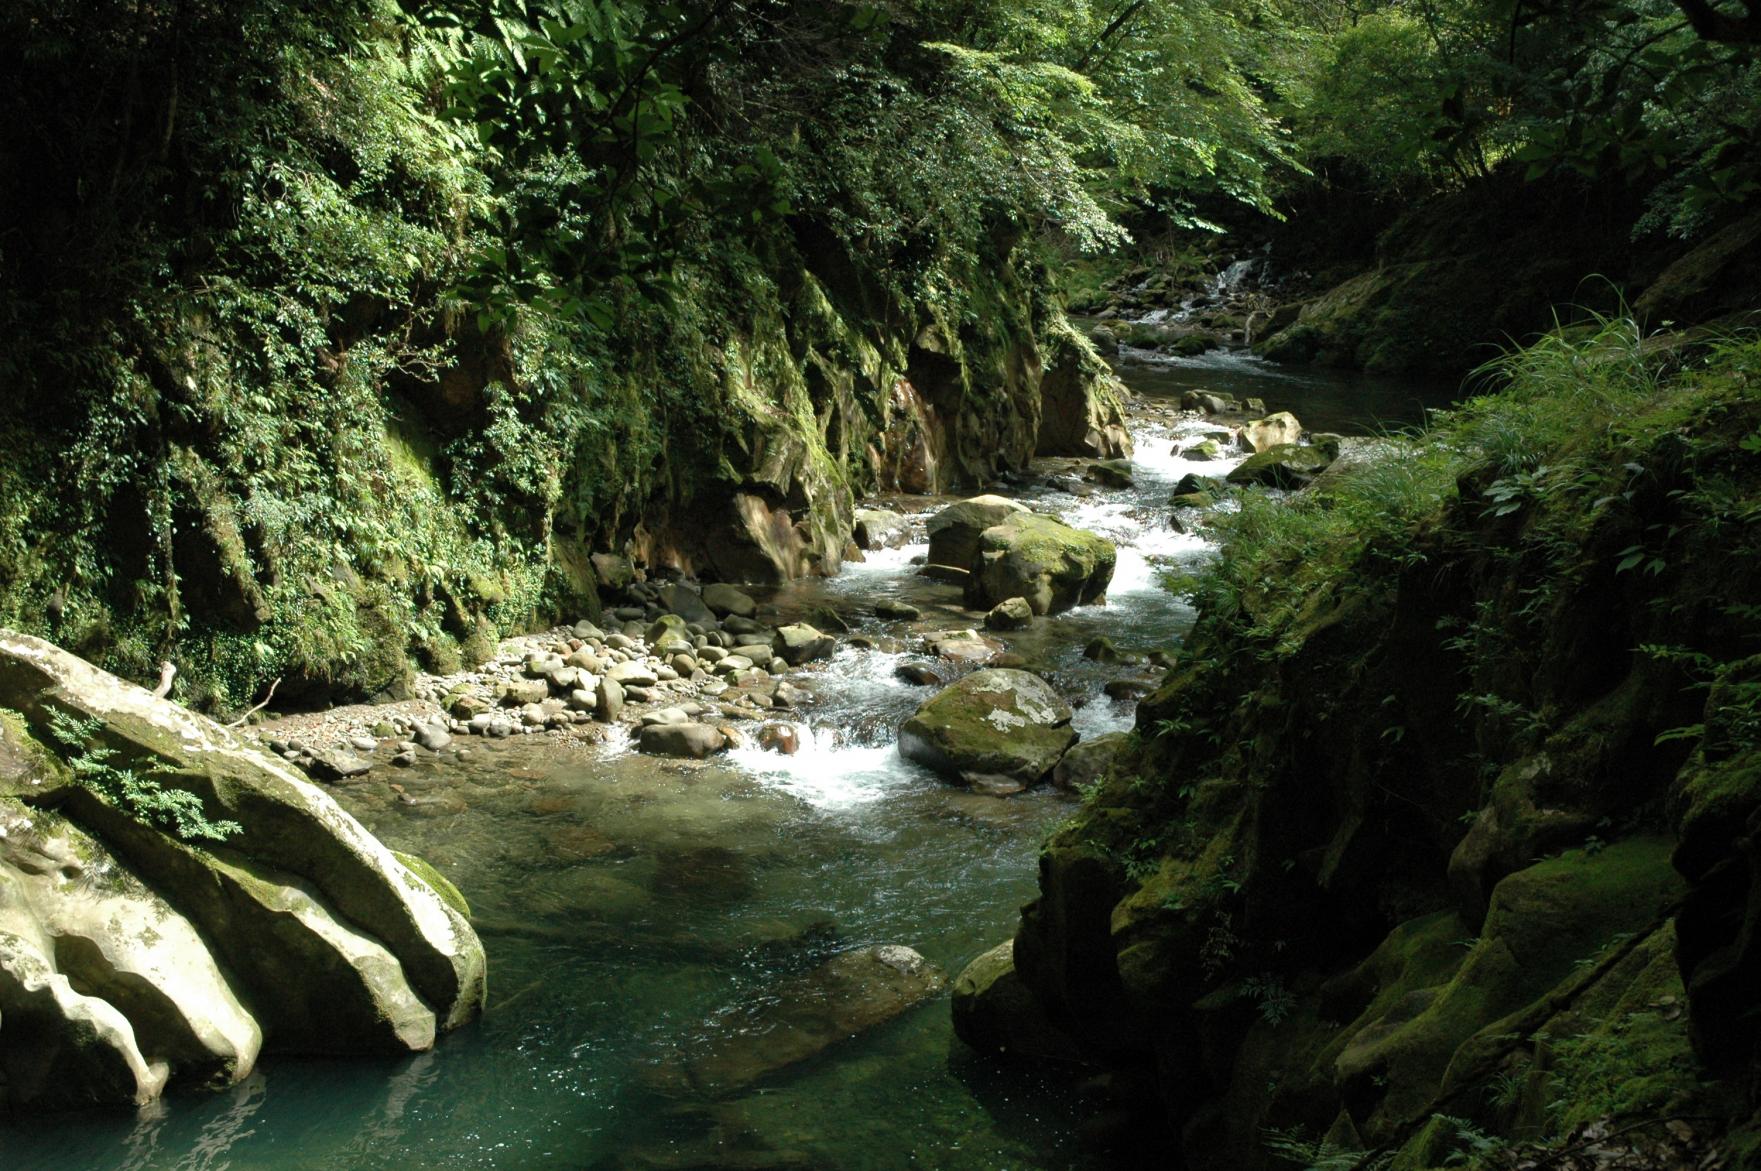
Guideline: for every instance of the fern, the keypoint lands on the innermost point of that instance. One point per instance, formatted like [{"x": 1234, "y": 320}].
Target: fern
[{"x": 141, "y": 795}]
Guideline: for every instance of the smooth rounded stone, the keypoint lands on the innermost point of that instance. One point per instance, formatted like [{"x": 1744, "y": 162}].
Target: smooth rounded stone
[
  {"x": 1089, "y": 760},
  {"x": 516, "y": 692},
  {"x": 1287, "y": 466},
  {"x": 583, "y": 700},
  {"x": 1113, "y": 473},
  {"x": 921, "y": 674},
  {"x": 1009, "y": 614},
  {"x": 432, "y": 737},
  {"x": 711, "y": 654},
  {"x": 682, "y": 664},
  {"x": 780, "y": 738},
  {"x": 849, "y": 994},
  {"x": 727, "y": 601},
  {"x": 564, "y": 679},
  {"x": 993, "y": 724},
  {"x": 760, "y": 699},
  {"x": 633, "y": 674},
  {"x": 620, "y": 642},
  {"x": 639, "y": 694},
  {"x": 1123, "y": 689},
  {"x": 608, "y": 701},
  {"x": 787, "y": 695},
  {"x": 754, "y": 651},
  {"x": 629, "y": 613},
  {"x": 586, "y": 631},
  {"x": 1042, "y": 559},
  {"x": 404, "y": 759},
  {"x": 1102, "y": 650},
  {"x": 777, "y": 666},
  {"x": 880, "y": 528},
  {"x": 533, "y": 715},
  {"x": 892, "y": 610},
  {"x": 1209, "y": 404},
  {"x": 665, "y": 674},
  {"x": 800, "y": 643},
  {"x": 666, "y": 715},
  {"x": 693, "y": 740},
  {"x": 363, "y": 743},
  {"x": 1203, "y": 451},
  {"x": 954, "y": 531},
  {"x": 667, "y": 626},
  {"x": 995, "y": 1012},
  {"x": 962, "y": 646},
  {"x": 732, "y": 664},
  {"x": 1272, "y": 431},
  {"x": 334, "y": 764},
  {"x": 539, "y": 666},
  {"x": 736, "y": 625},
  {"x": 687, "y": 603},
  {"x": 500, "y": 728}
]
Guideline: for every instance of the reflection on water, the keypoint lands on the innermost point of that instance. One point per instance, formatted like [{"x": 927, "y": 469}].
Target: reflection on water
[{"x": 631, "y": 906}]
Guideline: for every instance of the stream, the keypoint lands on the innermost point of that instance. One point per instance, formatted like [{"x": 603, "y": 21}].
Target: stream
[{"x": 631, "y": 907}]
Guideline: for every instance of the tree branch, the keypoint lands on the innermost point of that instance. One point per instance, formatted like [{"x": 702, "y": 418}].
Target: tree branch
[
  {"x": 1118, "y": 22},
  {"x": 1712, "y": 25}
]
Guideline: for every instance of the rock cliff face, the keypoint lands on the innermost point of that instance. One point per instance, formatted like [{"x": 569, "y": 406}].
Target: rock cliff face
[
  {"x": 137, "y": 954},
  {"x": 1462, "y": 835}
]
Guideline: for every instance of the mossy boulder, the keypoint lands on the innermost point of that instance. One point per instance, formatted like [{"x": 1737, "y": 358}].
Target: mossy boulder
[
  {"x": 1288, "y": 465},
  {"x": 997, "y": 728},
  {"x": 954, "y": 531},
  {"x": 995, "y": 1013},
  {"x": 1042, "y": 559}
]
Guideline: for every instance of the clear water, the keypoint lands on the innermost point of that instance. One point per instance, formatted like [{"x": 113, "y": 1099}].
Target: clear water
[{"x": 631, "y": 908}]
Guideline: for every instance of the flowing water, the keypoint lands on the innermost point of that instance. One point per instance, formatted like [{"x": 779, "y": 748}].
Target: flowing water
[{"x": 632, "y": 908}]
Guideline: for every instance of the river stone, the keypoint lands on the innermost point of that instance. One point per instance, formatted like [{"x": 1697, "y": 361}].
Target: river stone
[
  {"x": 955, "y": 530},
  {"x": 1210, "y": 404},
  {"x": 851, "y": 993},
  {"x": 1009, "y": 614},
  {"x": 613, "y": 572},
  {"x": 995, "y": 1012},
  {"x": 298, "y": 848},
  {"x": 686, "y": 602},
  {"x": 878, "y": 528},
  {"x": 1043, "y": 560},
  {"x": 336, "y": 764},
  {"x": 608, "y": 702},
  {"x": 634, "y": 673},
  {"x": 1271, "y": 431},
  {"x": 1089, "y": 760},
  {"x": 920, "y": 674},
  {"x": 725, "y": 600},
  {"x": 892, "y": 610},
  {"x": 1113, "y": 473},
  {"x": 431, "y": 736},
  {"x": 781, "y": 738},
  {"x": 801, "y": 643},
  {"x": 1287, "y": 466},
  {"x": 962, "y": 646},
  {"x": 1203, "y": 451},
  {"x": 519, "y": 692},
  {"x": 688, "y": 739},
  {"x": 995, "y": 723}
]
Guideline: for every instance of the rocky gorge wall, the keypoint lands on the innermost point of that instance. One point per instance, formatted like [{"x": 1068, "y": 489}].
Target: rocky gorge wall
[
  {"x": 1438, "y": 840},
  {"x": 332, "y": 536}
]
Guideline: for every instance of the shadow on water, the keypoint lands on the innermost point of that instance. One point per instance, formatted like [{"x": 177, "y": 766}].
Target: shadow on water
[{"x": 636, "y": 910}]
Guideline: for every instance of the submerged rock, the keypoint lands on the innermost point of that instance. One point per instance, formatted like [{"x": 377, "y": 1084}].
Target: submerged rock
[
  {"x": 850, "y": 993},
  {"x": 994, "y": 725}
]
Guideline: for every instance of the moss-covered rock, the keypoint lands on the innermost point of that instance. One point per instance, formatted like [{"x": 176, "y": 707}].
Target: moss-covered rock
[
  {"x": 1287, "y": 465},
  {"x": 999, "y": 729},
  {"x": 1042, "y": 559}
]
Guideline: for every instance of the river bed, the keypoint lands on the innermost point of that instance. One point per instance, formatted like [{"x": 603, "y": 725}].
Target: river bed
[{"x": 632, "y": 908}]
